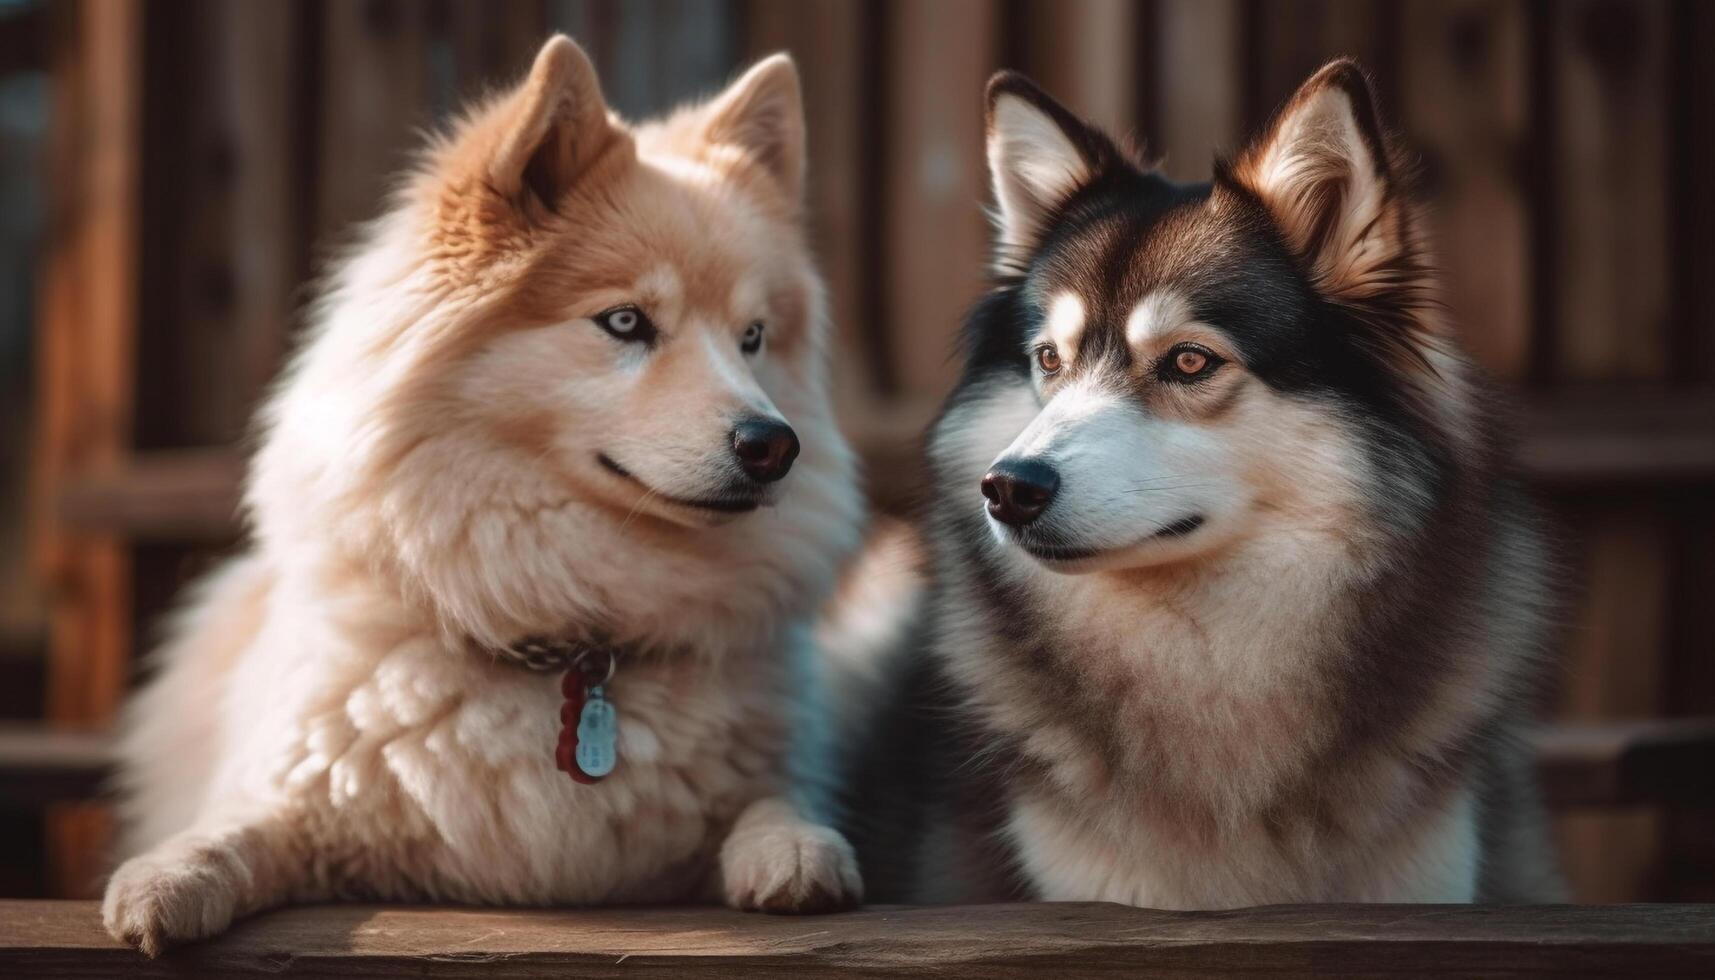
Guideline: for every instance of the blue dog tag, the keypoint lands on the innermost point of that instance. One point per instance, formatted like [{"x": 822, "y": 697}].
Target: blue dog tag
[{"x": 597, "y": 725}]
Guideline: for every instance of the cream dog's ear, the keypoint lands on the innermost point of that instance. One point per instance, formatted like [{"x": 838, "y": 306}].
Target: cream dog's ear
[
  {"x": 554, "y": 126},
  {"x": 762, "y": 115}
]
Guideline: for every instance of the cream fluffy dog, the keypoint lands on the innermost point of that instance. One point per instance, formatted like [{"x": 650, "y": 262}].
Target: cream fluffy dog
[{"x": 554, "y": 392}]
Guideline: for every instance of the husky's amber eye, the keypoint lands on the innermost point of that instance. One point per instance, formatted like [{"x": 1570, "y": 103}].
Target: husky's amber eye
[
  {"x": 1188, "y": 362},
  {"x": 627, "y": 323},
  {"x": 751, "y": 342},
  {"x": 1048, "y": 359}
]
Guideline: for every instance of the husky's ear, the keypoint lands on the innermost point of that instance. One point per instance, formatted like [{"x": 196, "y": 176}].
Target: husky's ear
[
  {"x": 762, "y": 116},
  {"x": 555, "y": 125},
  {"x": 1038, "y": 154},
  {"x": 1324, "y": 172}
]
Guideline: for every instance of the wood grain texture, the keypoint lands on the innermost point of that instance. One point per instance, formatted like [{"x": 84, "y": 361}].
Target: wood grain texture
[
  {"x": 935, "y": 244},
  {"x": 1197, "y": 40},
  {"x": 1609, "y": 157},
  {"x": 827, "y": 38},
  {"x": 1607, "y": 442},
  {"x": 1083, "y": 52},
  {"x": 1463, "y": 99},
  {"x": 85, "y": 373},
  {"x": 1587, "y": 765},
  {"x": 43, "y": 939}
]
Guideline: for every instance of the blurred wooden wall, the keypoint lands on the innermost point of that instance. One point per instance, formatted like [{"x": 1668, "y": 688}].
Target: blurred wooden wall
[{"x": 1566, "y": 147}]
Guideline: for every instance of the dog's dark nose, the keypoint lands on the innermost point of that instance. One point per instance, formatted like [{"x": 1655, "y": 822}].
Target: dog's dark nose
[
  {"x": 1019, "y": 490},
  {"x": 765, "y": 448}
]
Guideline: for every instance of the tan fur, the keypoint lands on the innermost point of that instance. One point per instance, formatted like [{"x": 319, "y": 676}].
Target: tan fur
[{"x": 325, "y": 722}]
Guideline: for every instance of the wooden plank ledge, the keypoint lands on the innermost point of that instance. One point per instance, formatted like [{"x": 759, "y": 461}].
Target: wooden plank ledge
[
  {"x": 1610, "y": 764},
  {"x": 1572, "y": 442},
  {"x": 54, "y": 939}
]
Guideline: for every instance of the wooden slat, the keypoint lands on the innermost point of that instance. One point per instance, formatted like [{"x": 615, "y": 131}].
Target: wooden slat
[
  {"x": 1585, "y": 765},
  {"x": 1660, "y": 761},
  {"x": 934, "y": 243},
  {"x": 1614, "y": 669},
  {"x": 269, "y": 219},
  {"x": 1610, "y": 268},
  {"x": 40, "y": 766},
  {"x": 45, "y": 939},
  {"x": 1084, "y": 52},
  {"x": 374, "y": 97},
  {"x": 1692, "y": 159},
  {"x": 86, "y": 331},
  {"x": 1463, "y": 94},
  {"x": 222, "y": 224},
  {"x": 1199, "y": 85},
  {"x": 1292, "y": 40},
  {"x": 1589, "y": 440},
  {"x": 826, "y": 37},
  {"x": 1572, "y": 444},
  {"x": 165, "y": 496}
]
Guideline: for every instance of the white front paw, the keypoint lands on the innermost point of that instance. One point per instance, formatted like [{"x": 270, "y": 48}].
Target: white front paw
[
  {"x": 784, "y": 864},
  {"x": 155, "y": 902}
]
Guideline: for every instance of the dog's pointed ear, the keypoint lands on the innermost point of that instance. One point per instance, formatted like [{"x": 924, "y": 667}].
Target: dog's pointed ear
[
  {"x": 1324, "y": 172},
  {"x": 762, "y": 116},
  {"x": 1039, "y": 153},
  {"x": 554, "y": 125}
]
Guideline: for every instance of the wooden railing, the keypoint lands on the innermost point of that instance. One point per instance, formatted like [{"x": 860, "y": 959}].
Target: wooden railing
[{"x": 1047, "y": 940}]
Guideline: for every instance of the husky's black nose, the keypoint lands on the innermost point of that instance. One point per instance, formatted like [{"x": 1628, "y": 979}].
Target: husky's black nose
[
  {"x": 765, "y": 448},
  {"x": 1019, "y": 490}
]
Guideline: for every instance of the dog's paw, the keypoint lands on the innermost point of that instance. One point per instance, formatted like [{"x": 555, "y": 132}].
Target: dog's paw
[
  {"x": 775, "y": 861},
  {"x": 156, "y": 902}
]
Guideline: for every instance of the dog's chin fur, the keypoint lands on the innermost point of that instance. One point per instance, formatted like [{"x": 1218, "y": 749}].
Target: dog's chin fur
[{"x": 322, "y": 723}]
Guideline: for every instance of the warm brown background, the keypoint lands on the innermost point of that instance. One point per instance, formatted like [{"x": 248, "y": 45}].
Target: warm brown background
[{"x": 171, "y": 173}]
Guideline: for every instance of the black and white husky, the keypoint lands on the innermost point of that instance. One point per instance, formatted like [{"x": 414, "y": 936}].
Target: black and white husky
[{"x": 1231, "y": 600}]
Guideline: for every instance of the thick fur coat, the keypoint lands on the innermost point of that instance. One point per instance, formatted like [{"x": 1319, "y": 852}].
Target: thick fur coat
[
  {"x": 1231, "y": 600},
  {"x": 513, "y": 416}
]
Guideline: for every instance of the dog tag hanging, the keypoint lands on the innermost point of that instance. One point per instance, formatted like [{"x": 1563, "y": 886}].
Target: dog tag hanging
[
  {"x": 588, "y": 724},
  {"x": 596, "y": 723}
]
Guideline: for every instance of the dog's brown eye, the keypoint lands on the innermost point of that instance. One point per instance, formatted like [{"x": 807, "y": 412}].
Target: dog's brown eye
[
  {"x": 751, "y": 342},
  {"x": 1048, "y": 359},
  {"x": 1189, "y": 363}
]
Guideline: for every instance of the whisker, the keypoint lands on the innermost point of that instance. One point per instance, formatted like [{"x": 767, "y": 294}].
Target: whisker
[
  {"x": 647, "y": 493},
  {"x": 1177, "y": 486}
]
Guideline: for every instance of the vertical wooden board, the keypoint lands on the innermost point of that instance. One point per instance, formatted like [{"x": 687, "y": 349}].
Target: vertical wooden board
[
  {"x": 1614, "y": 670},
  {"x": 1689, "y": 690},
  {"x": 825, "y": 38},
  {"x": 1291, "y": 41},
  {"x": 1083, "y": 52},
  {"x": 1692, "y": 87},
  {"x": 220, "y": 221},
  {"x": 374, "y": 97},
  {"x": 1199, "y": 83},
  {"x": 86, "y": 330},
  {"x": 934, "y": 243},
  {"x": 663, "y": 52},
  {"x": 1609, "y": 266},
  {"x": 1463, "y": 95},
  {"x": 492, "y": 42},
  {"x": 259, "y": 106}
]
